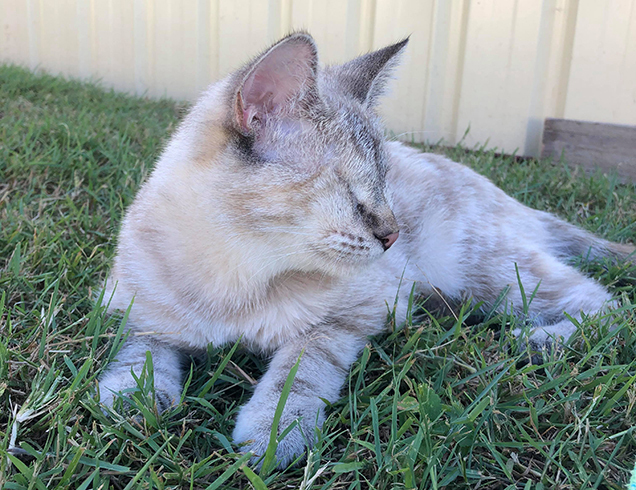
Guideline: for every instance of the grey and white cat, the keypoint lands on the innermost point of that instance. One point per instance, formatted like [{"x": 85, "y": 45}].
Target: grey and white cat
[{"x": 273, "y": 215}]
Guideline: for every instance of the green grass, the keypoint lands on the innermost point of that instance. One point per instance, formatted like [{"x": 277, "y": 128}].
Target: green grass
[{"x": 440, "y": 402}]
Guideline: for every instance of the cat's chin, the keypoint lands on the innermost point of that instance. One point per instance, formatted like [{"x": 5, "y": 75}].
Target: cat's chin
[{"x": 344, "y": 268}]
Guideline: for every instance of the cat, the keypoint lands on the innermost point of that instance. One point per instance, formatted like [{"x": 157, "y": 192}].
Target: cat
[{"x": 279, "y": 214}]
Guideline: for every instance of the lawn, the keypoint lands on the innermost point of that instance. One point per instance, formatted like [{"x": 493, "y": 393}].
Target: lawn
[{"x": 442, "y": 402}]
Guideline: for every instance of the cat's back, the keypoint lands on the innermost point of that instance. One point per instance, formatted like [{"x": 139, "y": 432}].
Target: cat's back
[
  {"x": 427, "y": 186},
  {"x": 454, "y": 220},
  {"x": 434, "y": 176}
]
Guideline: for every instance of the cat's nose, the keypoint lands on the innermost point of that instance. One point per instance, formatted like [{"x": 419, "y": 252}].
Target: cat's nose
[{"x": 388, "y": 240}]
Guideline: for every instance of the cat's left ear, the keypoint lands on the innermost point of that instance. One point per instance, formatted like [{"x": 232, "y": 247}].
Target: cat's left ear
[{"x": 365, "y": 77}]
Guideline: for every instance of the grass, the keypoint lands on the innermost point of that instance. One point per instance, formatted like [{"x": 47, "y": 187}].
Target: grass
[{"x": 442, "y": 402}]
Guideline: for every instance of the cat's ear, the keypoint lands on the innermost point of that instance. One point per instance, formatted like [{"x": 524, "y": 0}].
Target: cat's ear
[
  {"x": 276, "y": 81},
  {"x": 365, "y": 77}
]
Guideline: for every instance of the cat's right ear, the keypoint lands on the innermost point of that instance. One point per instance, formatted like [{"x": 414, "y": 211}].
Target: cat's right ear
[
  {"x": 366, "y": 77},
  {"x": 276, "y": 82}
]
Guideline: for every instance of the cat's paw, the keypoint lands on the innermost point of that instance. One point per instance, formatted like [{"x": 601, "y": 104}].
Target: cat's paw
[
  {"x": 544, "y": 340},
  {"x": 119, "y": 384},
  {"x": 254, "y": 426}
]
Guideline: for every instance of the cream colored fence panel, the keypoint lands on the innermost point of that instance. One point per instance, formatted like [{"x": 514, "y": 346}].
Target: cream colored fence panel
[
  {"x": 602, "y": 82},
  {"x": 497, "y": 79},
  {"x": 498, "y": 67}
]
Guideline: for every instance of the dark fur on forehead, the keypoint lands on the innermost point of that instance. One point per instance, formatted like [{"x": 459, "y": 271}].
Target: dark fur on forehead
[{"x": 363, "y": 131}]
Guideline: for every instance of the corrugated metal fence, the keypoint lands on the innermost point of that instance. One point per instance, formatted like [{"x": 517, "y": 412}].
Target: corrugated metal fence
[{"x": 498, "y": 67}]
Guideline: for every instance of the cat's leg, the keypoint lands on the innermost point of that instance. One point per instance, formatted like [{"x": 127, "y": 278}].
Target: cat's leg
[
  {"x": 327, "y": 353},
  {"x": 548, "y": 336},
  {"x": 560, "y": 289},
  {"x": 167, "y": 371}
]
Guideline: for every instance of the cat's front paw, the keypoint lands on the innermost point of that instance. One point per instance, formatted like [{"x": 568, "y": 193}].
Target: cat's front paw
[
  {"x": 254, "y": 427},
  {"x": 120, "y": 384}
]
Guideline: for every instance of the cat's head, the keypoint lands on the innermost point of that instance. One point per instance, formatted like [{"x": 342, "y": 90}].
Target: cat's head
[{"x": 303, "y": 168}]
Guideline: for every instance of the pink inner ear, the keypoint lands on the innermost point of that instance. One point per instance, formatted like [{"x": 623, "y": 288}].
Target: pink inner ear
[
  {"x": 276, "y": 81},
  {"x": 248, "y": 116}
]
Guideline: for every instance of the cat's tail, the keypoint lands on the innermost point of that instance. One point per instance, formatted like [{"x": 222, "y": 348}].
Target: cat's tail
[{"x": 570, "y": 241}]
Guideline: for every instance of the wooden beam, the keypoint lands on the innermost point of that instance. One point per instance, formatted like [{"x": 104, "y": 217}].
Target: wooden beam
[{"x": 610, "y": 147}]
